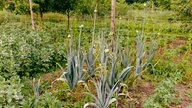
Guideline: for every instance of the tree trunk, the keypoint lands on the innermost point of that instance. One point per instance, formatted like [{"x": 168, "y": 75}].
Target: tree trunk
[
  {"x": 153, "y": 7},
  {"x": 112, "y": 23},
  {"x": 68, "y": 20},
  {"x": 32, "y": 16},
  {"x": 41, "y": 19}
]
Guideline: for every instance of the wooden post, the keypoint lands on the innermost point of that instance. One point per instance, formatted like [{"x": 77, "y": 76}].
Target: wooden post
[
  {"x": 32, "y": 17},
  {"x": 112, "y": 23}
]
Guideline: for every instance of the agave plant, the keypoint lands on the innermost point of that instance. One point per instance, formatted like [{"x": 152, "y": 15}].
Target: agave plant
[
  {"x": 74, "y": 73},
  {"x": 140, "y": 54},
  {"x": 104, "y": 97},
  {"x": 90, "y": 60},
  {"x": 113, "y": 78},
  {"x": 103, "y": 50},
  {"x": 140, "y": 65},
  {"x": 125, "y": 57},
  {"x": 151, "y": 52},
  {"x": 36, "y": 88}
]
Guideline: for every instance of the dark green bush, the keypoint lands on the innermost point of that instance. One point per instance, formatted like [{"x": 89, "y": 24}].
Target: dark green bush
[{"x": 24, "y": 8}]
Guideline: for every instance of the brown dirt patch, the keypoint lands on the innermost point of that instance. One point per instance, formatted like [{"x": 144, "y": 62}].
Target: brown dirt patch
[
  {"x": 185, "y": 94},
  {"x": 146, "y": 89},
  {"x": 177, "y": 43},
  {"x": 50, "y": 77},
  {"x": 138, "y": 94}
]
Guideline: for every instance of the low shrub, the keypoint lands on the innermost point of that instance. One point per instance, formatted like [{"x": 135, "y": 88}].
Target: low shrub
[
  {"x": 163, "y": 96},
  {"x": 10, "y": 92}
]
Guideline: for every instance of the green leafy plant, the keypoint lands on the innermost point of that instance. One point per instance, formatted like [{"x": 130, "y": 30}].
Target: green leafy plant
[
  {"x": 28, "y": 53},
  {"x": 46, "y": 100},
  {"x": 163, "y": 96},
  {"x": 165, "y": 70},
  {"x": 190, "y": 86},
  {"x": 10, "y": 92},
  {"x": 41, "y": 100}
]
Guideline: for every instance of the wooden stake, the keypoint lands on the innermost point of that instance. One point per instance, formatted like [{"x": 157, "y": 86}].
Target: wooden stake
[
  {"x": 112, "y": 23},
  {"x": 32, "y": 17}
]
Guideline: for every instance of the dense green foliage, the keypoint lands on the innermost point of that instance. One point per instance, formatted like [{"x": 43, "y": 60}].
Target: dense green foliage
[
  {"x": 47, "y": 100},
  {"x": 2, "y": 4},
  {"x": 27, "y": 53},
  {"x": 163, "y": 96},
  {"x": 10, "y": 92}
]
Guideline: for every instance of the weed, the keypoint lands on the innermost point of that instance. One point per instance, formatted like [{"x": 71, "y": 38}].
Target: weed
[
  {"x": 189, "y": 94},
  {"x": 163, "y": 96},
  {"x": 11, "y": 95}
]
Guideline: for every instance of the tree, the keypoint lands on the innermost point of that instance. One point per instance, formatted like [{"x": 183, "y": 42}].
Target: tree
[
  {"x": 2, "y": 4},
  {"x": 8, "y": 4},
  {"x": 86, "y": 7},
  {"x": 135, "y": 1},
  {"x": 184, "y": 9},
  {"x": 65, "y": 6},
  {"x": 44, "y": 6}
]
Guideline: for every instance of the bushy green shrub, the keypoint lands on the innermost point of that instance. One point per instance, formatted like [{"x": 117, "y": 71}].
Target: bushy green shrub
[
  {"x": 10, "y": 92},
  {"x": 28, "y": 53},
  {"x": 24, "y": 8},
  {"x": 183, "y": 8},
  {"x": 163, "y": 96},
  {"x": 165, "y": 70},
  {"x": 47, "y": 100}
]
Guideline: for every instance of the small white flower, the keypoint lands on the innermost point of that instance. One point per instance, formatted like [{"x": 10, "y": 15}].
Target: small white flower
[
  {"x": 137, "y": 31},
  {"x": 110, "y": 34},
  {"x": 69, "y": 36},
  {"x": 95, "y": 10},
  {"x": 106, "y": 50},
  {"x": 120, "y": 18},
  {"x": 81, "y": 26},
  {"x": 145, "y": 4},
  {"x": 94, "y": 50}
]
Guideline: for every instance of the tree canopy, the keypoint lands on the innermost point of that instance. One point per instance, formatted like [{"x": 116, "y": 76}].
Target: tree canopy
[
  {"x": 44, "y": 5},
  {"x": 63, "y": 6}
]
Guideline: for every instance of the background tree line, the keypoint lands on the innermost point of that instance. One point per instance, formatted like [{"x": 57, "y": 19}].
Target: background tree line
[{"x": 86, "y": 7}]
